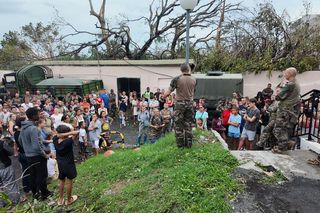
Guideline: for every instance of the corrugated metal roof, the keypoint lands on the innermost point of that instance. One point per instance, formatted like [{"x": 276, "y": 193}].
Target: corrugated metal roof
[{"x": 173, "y": 62}]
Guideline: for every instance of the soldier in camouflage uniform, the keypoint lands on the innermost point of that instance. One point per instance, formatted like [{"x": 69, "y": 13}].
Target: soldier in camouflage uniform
[
  {"x": 267, "y": 135},
  {"x": 166, "y": 118},
  {"x": 184, "y": 114},
  {"x": 288, "y": 110},
  {"x": 156, "y": 126},
  {"x": 112, "y": 104}
]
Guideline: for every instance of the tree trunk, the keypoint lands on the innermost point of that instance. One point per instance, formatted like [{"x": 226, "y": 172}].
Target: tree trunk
[
  {"x": 103, "y": 24},
  {"x": 219, "y": 30}
]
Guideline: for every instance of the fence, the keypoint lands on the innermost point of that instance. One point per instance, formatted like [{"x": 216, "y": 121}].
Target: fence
[{"x": 309, "y": 117}]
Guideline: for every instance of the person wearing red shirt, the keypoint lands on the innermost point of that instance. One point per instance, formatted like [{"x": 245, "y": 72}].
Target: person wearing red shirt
[{"x": 225, "y": 116}]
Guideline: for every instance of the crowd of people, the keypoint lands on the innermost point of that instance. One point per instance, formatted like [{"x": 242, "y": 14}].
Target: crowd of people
[
  {"x": 45, "y": 128},
  {"x": 266, "y": 121}
]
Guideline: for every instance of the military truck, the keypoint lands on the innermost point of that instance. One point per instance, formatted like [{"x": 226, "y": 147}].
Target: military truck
[
  {"x": 216, "y": 85},
  {"x": 38, "y": 77}
]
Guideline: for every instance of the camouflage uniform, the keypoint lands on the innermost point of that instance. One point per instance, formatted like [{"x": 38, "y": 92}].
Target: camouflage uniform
[
  {"x": 287, "y": 113},
  {"x": 155, "y": 133},
  {"x": 184, "y": 114},
  {"x": 112, "y": 105},
  {"x": 267, "y": 135},
  {"x": 166, "y": 117},
  {"x": 184, "y": 118}
]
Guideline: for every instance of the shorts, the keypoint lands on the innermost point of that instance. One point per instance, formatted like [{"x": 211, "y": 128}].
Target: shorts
[
  {"x": 83, "y": 148},
  {"x": 67, "y": 171},
  {"x": 233, "y": 135},
  {"x": 248, "y": 134},
  {"x": 95, "y": 144}
]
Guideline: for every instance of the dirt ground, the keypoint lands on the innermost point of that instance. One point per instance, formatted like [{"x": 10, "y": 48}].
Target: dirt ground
[{"x": 299, "y": 195}]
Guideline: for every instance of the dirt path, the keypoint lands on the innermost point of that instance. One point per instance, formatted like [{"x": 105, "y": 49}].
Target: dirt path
[{"x": 297, "y": 195}]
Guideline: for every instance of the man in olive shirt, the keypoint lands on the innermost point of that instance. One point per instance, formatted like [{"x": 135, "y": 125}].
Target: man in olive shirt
[
  {"x": 184, "y": 85},
  {"x": 288, "y": 110}
]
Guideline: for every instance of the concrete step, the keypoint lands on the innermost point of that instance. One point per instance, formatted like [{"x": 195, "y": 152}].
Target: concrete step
[
  {"x": 309, "y": 145},
  {"x": 291, "y": 164}
]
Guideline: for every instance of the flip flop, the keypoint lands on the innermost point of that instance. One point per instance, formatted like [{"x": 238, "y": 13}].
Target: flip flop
[
  {"x": 276, "y": 151},
  {"x": 73, "y": 199},
  {"x": 60, "y": 203}
]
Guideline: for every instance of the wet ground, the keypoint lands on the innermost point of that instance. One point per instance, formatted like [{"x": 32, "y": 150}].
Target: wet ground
[{"x": 298, "y": 195}]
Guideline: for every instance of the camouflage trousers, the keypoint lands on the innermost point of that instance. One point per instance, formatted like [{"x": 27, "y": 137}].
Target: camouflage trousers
[
  {"x": 183, "y": 120},
  {"x": 279, "y": 131}
]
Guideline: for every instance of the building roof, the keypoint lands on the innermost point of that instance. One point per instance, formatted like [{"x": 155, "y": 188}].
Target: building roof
[
  {"x": 173, "y": 62},
  {"x": 63, "y": 82},
  {"x": 224, "y": 76}
]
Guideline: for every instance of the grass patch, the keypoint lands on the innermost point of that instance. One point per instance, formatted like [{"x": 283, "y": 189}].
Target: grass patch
[
  {"x": 272, "y": 175},
  {"x": 157, "y": 178}
]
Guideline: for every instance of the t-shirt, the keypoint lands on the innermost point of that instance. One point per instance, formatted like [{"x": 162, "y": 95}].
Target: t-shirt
[
  {"x": 105, "y": 99},
  {"x": 64, "y": 150},
  {"x": 185, "y": 85},
  {"x": 217, "y": 124},
  {"x": 82, "y": 135},
  {"x": 234, "y": 119},
  {"x": 94, "y": 134},
  {"x": 225, "y": 116},
  {"x": 252, "y": 125},
  {"x": 57, "y": 120},
  {"x": 202, "y": 115}
]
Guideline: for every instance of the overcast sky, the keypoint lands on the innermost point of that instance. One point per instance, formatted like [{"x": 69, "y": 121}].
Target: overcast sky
[{"x": 16, "y": 13}]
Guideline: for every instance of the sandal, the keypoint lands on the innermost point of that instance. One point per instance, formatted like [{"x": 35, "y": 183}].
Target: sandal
[
  {"x": 60, "y": 203},
  {"x": 276, "y": 150},
  {"x": 314, "y": 162},
  {"x": 73, "y": 199}
]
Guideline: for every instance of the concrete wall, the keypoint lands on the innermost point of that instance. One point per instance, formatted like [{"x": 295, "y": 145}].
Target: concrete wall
[
  {"x": 254, "y": 83},
  {"x": 160, "y": 77},
  {"x": 153, "y": 77}
]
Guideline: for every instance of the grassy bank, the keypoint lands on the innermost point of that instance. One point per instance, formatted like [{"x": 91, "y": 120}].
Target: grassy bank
[{"x": 157, "y": 178}]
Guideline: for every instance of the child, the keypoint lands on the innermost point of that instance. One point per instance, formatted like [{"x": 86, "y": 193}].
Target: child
[
  {"x": 156, "y": 125},
  {"x": 217, "y": 124},
  {"x": 45, "y": 138},
  {"x": 234, "y": 127},
  {"x": 143, "y": 118},
  {"x": 122, "y": 113},
  {"x": 67, "y": 168},
  {"x": 249, "y": 131},
  {"x": 94, "y": 133},
  {"x": 83, "y": 140}
]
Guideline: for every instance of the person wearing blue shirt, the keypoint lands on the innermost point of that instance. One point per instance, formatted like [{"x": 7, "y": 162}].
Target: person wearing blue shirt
[
  {"x": 201, "y": 118},
  {"x": 234, "y": 127},
  {"x": 104, "y": 96}
]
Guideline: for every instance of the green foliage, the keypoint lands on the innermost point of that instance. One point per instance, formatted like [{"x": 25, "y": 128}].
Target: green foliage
[
  {"x": 158, "y": 178},
  {"x": 33, "y": 42},
  {"x": 266, "y": 41},
  {"x": 5, "y": 198},
  {"x": 276, "y": 178}
]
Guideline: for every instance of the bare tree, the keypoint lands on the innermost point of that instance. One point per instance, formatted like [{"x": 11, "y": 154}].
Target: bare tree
[
  {"x": 219, "y": 29},
  {"x": 163, "y": 23},
  {"x": 103, "y": 25}
]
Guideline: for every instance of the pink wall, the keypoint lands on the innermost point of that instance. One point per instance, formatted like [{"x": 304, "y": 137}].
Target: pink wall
[
  {"x": 153, "y": 77},
  {"x": 160, "y": 77},
  {"x": 254, "y": 83}
]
